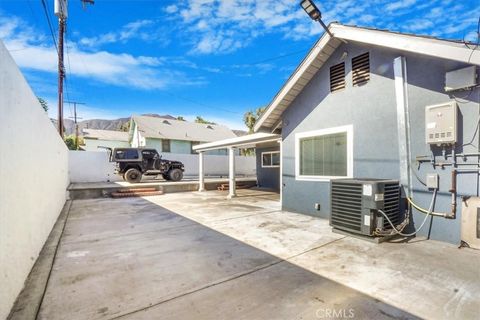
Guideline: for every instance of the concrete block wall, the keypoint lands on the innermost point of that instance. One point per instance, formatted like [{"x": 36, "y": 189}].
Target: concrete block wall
[
  {"x": 93, "y": 166},
  {"x": 33, "y": 179}
]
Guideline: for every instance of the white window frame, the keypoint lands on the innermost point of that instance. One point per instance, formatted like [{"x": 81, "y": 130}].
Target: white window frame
[
  {"x": 315, "y": 133},
  {"x": 270, "y": 152}
]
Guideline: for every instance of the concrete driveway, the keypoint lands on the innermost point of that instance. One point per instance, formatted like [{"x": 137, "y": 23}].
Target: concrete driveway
[
  {"x": 136, "y": 259},
  {"x": 200, "y": 256}
]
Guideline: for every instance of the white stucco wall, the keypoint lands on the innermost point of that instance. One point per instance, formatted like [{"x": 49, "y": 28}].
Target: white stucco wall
[
  {"x": 33, "y": 179},
  {"x": 93, "y": 166}
]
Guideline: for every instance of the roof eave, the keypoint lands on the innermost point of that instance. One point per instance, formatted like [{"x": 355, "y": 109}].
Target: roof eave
[{"x": 438, "y": 48}]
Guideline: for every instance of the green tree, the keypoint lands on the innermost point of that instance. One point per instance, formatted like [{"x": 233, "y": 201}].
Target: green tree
[
  {"x": 70, "y": 142},
  {"x": 125, "y": 127},
  {"x": 180, "y": 118},
  {"x": 199, "y": 119},
  {"x": 251, "y": 117},
  {"x": 43, "y": 103}
]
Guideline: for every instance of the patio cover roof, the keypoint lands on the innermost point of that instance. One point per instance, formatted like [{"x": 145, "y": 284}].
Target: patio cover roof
[{"x": 244, "y": 141}]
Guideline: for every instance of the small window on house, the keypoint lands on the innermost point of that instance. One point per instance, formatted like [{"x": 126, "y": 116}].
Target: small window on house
[
  {"x": 361, "y": 69},
  {"x": 193, "y": 144},
  {"x": 337, "y": 77},
  {"x": 271, "y": 159},
  {"x": 165, "y": 145}
]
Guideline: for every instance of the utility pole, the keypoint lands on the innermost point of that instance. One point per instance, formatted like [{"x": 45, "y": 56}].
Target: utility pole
[
  {"x": 60, "y": 9},
  {"x": 75, "y": 119}
]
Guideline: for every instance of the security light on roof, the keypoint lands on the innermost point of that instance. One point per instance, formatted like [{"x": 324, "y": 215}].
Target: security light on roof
[
  {"x": 314, "y": 13},
  {"x": 311, "y": 9}
]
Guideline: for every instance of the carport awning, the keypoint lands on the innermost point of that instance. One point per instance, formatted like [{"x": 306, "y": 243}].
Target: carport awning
[{"x": 249, "y": 140}]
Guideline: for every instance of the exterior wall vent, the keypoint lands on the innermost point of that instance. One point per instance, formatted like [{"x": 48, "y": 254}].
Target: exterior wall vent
[
  {"x": 361, "y": 69},
  {"x": 337, "y": 77}
]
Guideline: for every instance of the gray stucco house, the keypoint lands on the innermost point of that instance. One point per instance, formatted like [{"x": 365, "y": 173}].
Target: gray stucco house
[{"x": 356, "y": 108}]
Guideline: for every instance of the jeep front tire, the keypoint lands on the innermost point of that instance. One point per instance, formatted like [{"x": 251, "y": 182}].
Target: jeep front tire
[
  {"x": 133, "y": 175},
  {"x": 175, "y": 174}
]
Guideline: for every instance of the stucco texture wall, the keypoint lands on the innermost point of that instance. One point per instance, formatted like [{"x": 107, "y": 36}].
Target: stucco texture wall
[
  {"x": 371, "y": 109},
  {"x": 94, "y": 166},
  {"x": 267, "y": 177},
  {"x": 33, "y": 179}
]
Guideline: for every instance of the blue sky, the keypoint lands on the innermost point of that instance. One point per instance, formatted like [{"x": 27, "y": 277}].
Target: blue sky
[{"x": 212, "y": 58}]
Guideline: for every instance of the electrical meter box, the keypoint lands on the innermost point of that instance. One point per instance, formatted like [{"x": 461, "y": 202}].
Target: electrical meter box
[{"x": 441, "y": 123}]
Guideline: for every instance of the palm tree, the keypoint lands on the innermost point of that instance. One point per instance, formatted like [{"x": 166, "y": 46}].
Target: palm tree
[{"x": 251, "y": 117}]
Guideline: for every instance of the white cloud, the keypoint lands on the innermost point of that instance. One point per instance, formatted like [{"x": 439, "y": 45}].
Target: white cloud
[
  {"x": 400, "y": 5},
  {"x": 121, "y": 69},
  {"x": 223, "y": 26},
  {"x": 129, "y": 31},
  {"x": 171, "y": 9}
]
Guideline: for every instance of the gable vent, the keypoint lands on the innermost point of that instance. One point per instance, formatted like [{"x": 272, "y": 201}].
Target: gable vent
[
  {"x": 337, "y": 77},
  {"x": 361, "y": 69}
]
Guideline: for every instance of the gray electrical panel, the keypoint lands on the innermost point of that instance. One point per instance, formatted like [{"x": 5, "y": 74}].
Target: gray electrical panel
[
  {"x": 441, "y": 123},
  {"x": 432, "y": 180},
  {"x": 461, "y": 79}
]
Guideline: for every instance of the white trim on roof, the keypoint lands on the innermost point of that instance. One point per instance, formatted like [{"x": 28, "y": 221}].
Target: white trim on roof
[
  {"x": 249, "y": 139},
  {"x": 433, "y": 47},
  {"x": 326, "y": 45}
]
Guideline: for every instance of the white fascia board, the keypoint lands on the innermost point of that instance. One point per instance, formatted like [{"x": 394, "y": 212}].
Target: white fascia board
[
  {"x": 410, "y": 43},
  {"x": 312, "y": 55},
  {"x": 237, "y": 142}
]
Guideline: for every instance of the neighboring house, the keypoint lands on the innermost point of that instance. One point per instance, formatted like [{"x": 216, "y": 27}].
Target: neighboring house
[
  {"x": 175, "y": 136},
  {"x": 356, "y": 107},
  {"x": 94, "y": 138}
]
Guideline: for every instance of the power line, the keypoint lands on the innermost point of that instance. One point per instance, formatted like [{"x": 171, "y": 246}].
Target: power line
[
  {"x": 45, "y": 10},
  {"x": 67, "y": 75},
  {"x": 200, "y": 103},
  {"x": 276, "y": 58}
]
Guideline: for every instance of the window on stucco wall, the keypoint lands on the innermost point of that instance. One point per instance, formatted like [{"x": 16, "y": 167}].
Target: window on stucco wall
[
  {"x": 165, "y": 145},
  {"x": 324, "y": 154},
  {"x": 271, "y": 159}
]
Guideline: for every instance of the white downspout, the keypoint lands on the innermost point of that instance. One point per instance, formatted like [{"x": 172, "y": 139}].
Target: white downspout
[
  {"x": 232, "y": 192},
  {"x": 403, "y": 121},
  {"x": 201, "y": 173},
  {"x": 281, "y": 171}
]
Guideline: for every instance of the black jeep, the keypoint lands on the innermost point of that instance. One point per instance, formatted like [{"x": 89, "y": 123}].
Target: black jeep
[{"x": 132, "y": 163}]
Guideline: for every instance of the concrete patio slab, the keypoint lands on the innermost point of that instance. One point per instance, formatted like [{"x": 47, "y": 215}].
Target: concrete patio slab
[
  {"x": 132, "y": 258},
  {"x": 282, "y": 291},
  {"x": 197, "y": 255},
  {"x": 431, "y": 279},
  {"x": 401, "y": 274}
]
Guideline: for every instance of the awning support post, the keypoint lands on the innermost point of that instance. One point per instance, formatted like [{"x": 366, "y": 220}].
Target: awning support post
[
  {"x": 232, "y": 192},
  {"x": 201, "y": 172}
]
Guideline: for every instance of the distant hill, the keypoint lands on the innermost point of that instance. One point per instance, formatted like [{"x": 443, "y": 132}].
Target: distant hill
[
  {"x": 103, "y": 124},
  {"x": 115, "y": 124}
]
